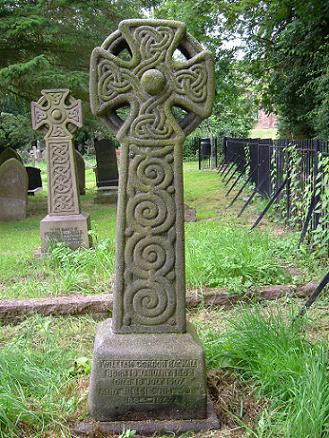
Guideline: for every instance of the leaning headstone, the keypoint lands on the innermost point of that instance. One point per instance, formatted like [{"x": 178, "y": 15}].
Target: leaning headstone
[
  {"x": 9, "y": 153},
  {"x": 13, "y": 190},
  {"x": 35, "y": 180},
  {"x": 58, "y": 114},
  {"x": 81, "y": 171},
  {"x": 148, "y": 363},
  {"x": 107, "y": 175}
]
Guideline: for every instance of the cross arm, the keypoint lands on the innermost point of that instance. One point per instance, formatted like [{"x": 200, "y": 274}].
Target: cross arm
[{"x": 195, "y": 84}]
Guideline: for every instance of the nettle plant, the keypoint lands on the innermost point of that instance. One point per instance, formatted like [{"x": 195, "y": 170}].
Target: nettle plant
[
  {"x": 300, "y": 189},
  {"x": 320, "y": 235}
]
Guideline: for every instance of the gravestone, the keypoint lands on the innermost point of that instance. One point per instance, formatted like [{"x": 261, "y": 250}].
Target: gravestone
[
  {"x": 35, "y": 180},
  {"x": 148, "y": 363},
  {"x": 106, "y": 171},
  {"x": 13, "y": 190},
  {"x": 81, "y": 171},
  {"x": 9, "y": 153},
  {"x": 58, "y": 115}
]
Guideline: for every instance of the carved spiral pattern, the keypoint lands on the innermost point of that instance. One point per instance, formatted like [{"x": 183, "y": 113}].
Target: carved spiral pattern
[
  {"x": 149, "y": 292},
  {"x": 152, "y": 302},
  {"x": 62, "y": 195}
]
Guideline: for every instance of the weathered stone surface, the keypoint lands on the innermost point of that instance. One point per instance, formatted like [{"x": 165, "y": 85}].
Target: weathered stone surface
[
  {"x": 106, "y": 195},
  {"x": 107, "y": 167},
  {"x": 148, "y": 427},
  {"x": 149, "y": 295},
  {"x": 72, "y": 230},
  {"x": 58, "y": 115},
  {"x": 81, "y": 172},
  {"x": 189, "y": 214},
  {"x": 145, "y": 376},
  {"x": 13, "y": 190},
  {"x": 274, "y": 292},
  {"x": 150, "y": 279},
  {"x": 11, "y": 310},
  {"x": 15, "y": 310},
  {"x": 307, "y": 289},
  {"x": 9, "y": 153}
]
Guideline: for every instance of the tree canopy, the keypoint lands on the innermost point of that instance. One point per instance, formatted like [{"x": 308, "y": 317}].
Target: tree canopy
[{"x": 283, "y": 63}]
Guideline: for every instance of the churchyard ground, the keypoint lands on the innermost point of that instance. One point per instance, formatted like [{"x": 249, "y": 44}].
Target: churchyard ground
[{"x": 267, "y": 376}]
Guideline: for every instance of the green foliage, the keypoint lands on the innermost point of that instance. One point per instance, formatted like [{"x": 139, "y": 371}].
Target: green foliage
[
  {"x": 36, "y": 375},
  {"x": 234, "y": 112},
  {"x": 273, "y": 355},
  {"x": 15, "y": 131},
  {"x": 222, "y": 256},
  {"x": 47, "y": 44},
  {"x": 287, "y": 48}
]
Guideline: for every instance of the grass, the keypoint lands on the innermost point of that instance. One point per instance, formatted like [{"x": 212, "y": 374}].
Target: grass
[
  {"x": 45, "y": 362},
  {"x": 289, "y": 375},
  {"x": 42, "y": 365},
  {"x": 45, "y": 365},
  {"x": 220, "y": 251}
]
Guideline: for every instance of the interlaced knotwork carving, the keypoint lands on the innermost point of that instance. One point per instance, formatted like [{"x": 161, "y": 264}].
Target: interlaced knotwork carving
[
  {"x": 61, "y": 177},
  {"x": 58, "y": 115},
  {"x": 150, "y": 279}
]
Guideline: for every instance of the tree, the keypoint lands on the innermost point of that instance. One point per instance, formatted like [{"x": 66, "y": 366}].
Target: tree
[
  {"x": 235, "y": 105},
  {"x": 47, "y": 44},
  {"x": 287, "y": 47}
]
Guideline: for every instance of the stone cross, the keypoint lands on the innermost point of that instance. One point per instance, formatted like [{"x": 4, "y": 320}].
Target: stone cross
[
  {"x": 150, "y": 277},
  {"x": 168, "y": 97},
  {"x": 57, "y": 114}
]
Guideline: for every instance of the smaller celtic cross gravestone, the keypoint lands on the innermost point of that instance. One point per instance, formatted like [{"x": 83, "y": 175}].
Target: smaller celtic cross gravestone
[
  {"x": 58, "y": 115},
  {"x": 148, "y": 363}
]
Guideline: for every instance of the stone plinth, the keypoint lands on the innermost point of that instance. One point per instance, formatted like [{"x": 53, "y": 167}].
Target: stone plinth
[
  {"x": 106, "y": 195},
  {"x": 147, "y": 376},
  {"x": 71, "y": 230}
]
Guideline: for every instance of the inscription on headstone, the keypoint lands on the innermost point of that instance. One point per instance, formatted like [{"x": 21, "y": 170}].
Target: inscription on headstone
[
  {"x": 147, "y": 362},
  {"x": 13, "y": 190},
  {"x": 58, "y": 115}
]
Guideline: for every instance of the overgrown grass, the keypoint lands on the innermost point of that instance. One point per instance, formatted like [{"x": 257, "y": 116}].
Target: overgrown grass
[
  {"x": 273, "y": 354},
  {"x": 224, "y": 256},
  {"x": 41, "y": 367},
  {"x": 220, "y": 252}
]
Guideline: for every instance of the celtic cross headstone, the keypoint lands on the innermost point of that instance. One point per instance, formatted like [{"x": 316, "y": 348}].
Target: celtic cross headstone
[
  {"x": 57, "y": 114},
  {"x": 147, "y": 362}
]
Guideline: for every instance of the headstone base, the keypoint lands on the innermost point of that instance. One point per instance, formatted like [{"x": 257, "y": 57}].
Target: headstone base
[
  {"x": 147, "y": 376},
  {"x": 149, "y": 427},
  {"x": 106, "y": 195},
  {"x": 71, "y": 230}
]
